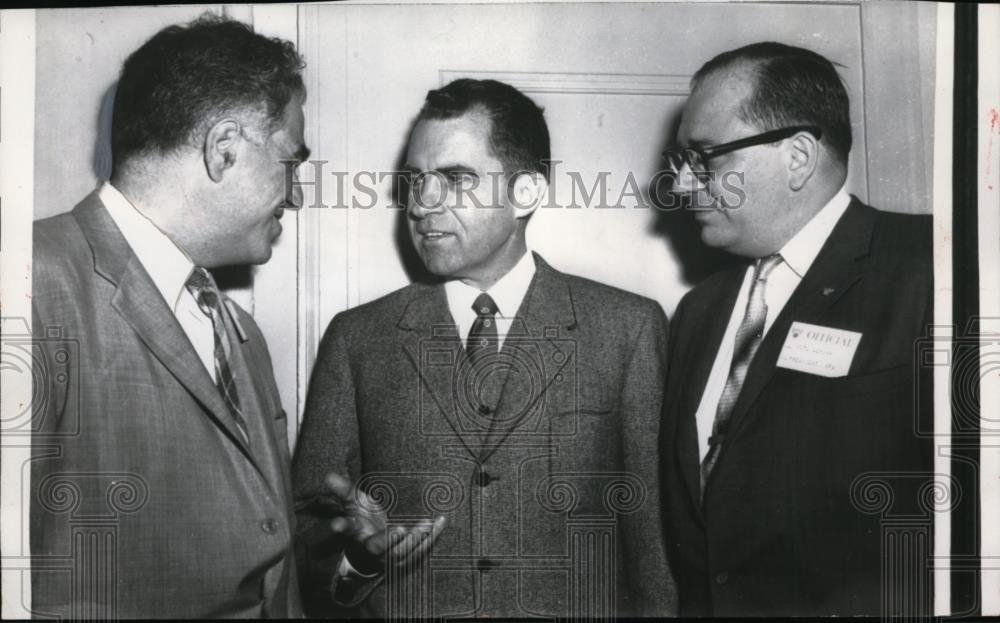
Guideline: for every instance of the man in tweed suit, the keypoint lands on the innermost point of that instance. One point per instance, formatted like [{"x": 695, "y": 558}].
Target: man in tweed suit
[
  {"x": 516, "y": 403},
  {"x": 161, "y": 481}
]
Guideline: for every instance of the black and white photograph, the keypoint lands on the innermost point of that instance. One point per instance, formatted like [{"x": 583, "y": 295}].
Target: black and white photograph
[{"x": 531, "y": 310}]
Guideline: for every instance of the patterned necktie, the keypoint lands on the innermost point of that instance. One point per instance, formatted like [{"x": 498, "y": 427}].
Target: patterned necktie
[
  {"x": 748, "y": 338},
  {"x": 483, "y": 338},
  {"x": 200, "y": 285},
  {"x": 486, "y": 372}
]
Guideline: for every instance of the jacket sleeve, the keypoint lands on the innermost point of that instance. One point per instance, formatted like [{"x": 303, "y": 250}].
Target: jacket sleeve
[
  {"x": 328, "y": 442},
  {"x": 652, "y": 586}
]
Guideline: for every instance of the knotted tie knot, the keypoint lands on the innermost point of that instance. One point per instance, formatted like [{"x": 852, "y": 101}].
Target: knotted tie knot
[
  {"x": 765, "y": 265},
  {"x": 200, "y": 285},
  {"x": 485, "y": 306}
]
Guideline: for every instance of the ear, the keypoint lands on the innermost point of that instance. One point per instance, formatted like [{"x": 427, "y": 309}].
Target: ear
[
  {"x": 802, "y": 157},
  {"x": 220, "y": 148},
  {"x": 526, "y": 191}
]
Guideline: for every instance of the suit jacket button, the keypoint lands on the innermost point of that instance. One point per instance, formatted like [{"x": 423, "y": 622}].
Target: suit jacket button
[
  {"x": 721, "y": 577},
  {"x": 269, "y": 526},
  {"x": 483, "y": 479},
  {"x": 485, "y": 410}
]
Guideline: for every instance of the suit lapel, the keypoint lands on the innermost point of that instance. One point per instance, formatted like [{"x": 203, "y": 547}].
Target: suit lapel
[
  {"x": 838, "y": 266},
  {"x": 708, "y": 328},
  {"x": 430, "y": 340},
  {"x": 142, "y": 306},
  {"x": 538, "y": 349}
]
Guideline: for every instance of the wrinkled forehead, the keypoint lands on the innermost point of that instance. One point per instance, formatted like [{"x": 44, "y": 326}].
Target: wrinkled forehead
[{"x": 711, "y": 114}]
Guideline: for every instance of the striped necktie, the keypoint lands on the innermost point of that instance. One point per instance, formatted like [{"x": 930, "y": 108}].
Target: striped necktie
[
  {"x": 200, "y": 285},
  {"x": 748, "y": 339}
]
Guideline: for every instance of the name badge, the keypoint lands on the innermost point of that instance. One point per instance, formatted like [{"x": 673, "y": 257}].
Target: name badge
[{"x": 818, "y": 350}]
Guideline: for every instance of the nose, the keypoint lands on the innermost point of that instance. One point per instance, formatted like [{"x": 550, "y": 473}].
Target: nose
[
  {"x": 427, "y": 195},
  {"x": 688, "y": 181}
]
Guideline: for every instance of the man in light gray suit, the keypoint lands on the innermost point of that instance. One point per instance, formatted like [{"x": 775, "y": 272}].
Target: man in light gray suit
[
  {"x": 160, "y": 480},
  {"x": 513, "y": 403}
]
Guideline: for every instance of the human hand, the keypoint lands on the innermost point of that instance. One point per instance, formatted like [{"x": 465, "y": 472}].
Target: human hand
[{"x": 363, "y": 523}]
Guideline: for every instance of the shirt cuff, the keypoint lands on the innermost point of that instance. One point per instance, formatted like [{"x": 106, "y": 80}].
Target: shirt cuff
[{"x": 346, "y": 570}]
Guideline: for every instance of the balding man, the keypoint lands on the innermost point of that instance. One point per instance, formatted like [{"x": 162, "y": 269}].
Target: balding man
[{"x": 791, "y": 378}]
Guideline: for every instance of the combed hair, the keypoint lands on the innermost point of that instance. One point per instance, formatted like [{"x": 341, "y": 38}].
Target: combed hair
[
  {"x": 188, "y": 77},
  {"x": 792, "y": 86},
  {"x": 519, "y": 136}
]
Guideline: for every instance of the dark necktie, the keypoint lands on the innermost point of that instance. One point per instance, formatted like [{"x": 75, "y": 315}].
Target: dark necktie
[
  {"x": 485, "y": 373},
  {"x": 483, "y": 338},
  {"x": 748, "y": 338},
  {"x": 200, "y": 285}
]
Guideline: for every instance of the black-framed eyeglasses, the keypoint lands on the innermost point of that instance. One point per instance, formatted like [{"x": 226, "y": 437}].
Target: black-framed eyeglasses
[{"x": 697, "y": 159}]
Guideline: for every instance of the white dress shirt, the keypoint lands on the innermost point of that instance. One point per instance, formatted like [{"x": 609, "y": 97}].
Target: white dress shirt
[
  {"x": 798, "y": 255},
  {"x": 507, "y": 293},
  {"x": 169, "y": 268}
]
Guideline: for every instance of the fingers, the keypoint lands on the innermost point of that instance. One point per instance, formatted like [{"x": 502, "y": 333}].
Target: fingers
[
  {"x": 365, "y": 524},
  {"x": 415, "y": 542},
  {"x": 378, "y": 543},
  {"x": 400, "y": 545},
  {"x": 347, "y": 526},
  {"x": 350, "y": 496},
  {"x": 341, "y": 525},
  {"x": 427, "y": 538},
  {"x": 342, "y": 487},
  {"x": 354, "y": 527}
]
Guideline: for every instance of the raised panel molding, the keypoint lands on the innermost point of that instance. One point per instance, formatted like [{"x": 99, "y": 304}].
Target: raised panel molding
[{"x": 586, "y": 83}]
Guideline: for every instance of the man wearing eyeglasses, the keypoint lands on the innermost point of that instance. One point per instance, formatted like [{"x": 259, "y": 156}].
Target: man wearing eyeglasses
[{"x": 790, "y": 387}]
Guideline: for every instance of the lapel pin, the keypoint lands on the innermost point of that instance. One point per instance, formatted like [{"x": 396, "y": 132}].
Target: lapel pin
[{"x": 828, "y": 291}]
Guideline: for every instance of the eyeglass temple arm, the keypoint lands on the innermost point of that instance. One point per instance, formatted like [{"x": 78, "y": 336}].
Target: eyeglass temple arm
[{"x": 762, "y": 139}]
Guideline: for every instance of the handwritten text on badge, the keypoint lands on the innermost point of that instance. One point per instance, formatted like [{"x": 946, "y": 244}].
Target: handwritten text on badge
[{"x": 818, "y": 350}]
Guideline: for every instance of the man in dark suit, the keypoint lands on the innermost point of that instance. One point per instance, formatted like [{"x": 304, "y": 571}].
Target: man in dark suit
[
  {"x": 161, "y": 477},
  {"x": 517, "y": 403},
  {"x": 791, "y": 386}
]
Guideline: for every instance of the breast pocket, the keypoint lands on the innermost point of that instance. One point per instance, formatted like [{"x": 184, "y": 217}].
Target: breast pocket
[
  {"x": 843, "y": 398},
  {"x": 588, "y": 438},
  {"x": 879, "y": 381},
  {"x": 865, "y": 416}
]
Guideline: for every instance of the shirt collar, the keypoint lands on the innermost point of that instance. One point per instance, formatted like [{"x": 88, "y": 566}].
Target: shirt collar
[
  {"x": 800, "y": 252},
  {"x": 507, "y": 293},
  {"x": 166, "y": 263}
]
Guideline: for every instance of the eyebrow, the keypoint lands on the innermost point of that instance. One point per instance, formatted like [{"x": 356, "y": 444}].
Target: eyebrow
[
  {"x": 302, "y": 154},
  {"x": 446, "y": 170},
  {"x": 457, "y": 168}
]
